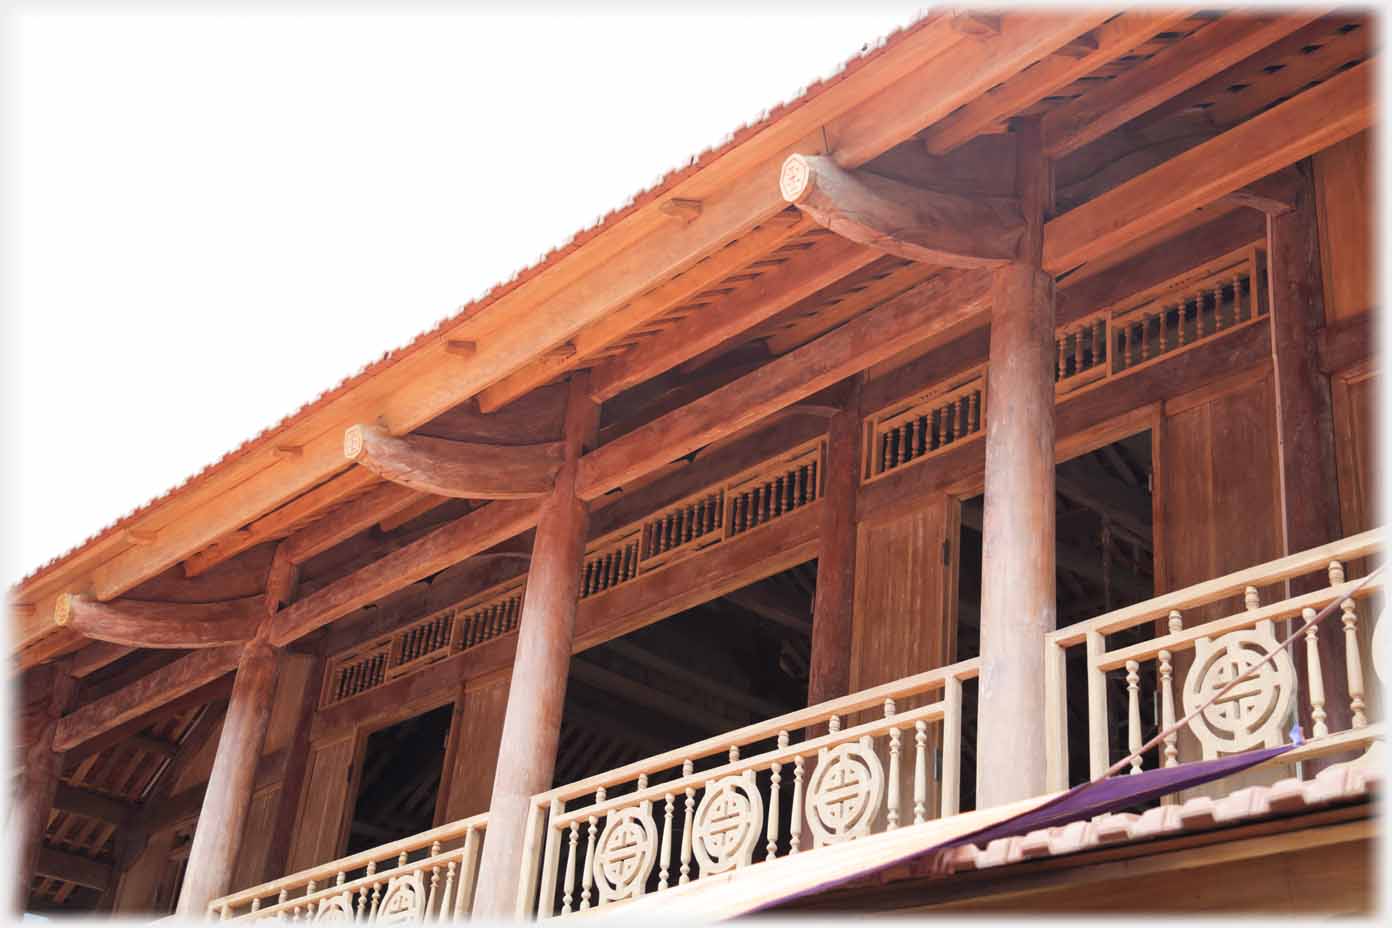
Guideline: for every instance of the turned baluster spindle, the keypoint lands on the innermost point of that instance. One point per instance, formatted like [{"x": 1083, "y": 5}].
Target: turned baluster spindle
[
  {"x": 892, "y": 805},
  {"x": 1167, "y": 705},
  {"x": 1133, "y": 695},
  {"x": 1353, "y": 660},
  {"x": 1316, "y": 675},
  {"x": 1143, "y": 336},
  {"x": 951, "y": 422},
  {"x": 939, "y": 421},
  {"x": 775, "y": 779},
  {"x": 1124, "y": 333},
  {"x": 376, "y": 898},
  {"x": 587, "y": 874},
  {"x": 1061, "y": 364},
  {"x": 432, "y": 898},
  {"x": 688, "y": 768},
  {"x": 920, "y": 787},
  {"x": 1099, "y": 341},
  {"x": 1077, "y": 337},
  {"x": 665, "y": 860},
  {"x": 1164, "y": 329},
  {"x": 568, "y": 899},
  {"x": 1200, "y": 300},
  {"x": 445, "y": 906},
  {"x": 795, "y": 822},
  {"x": 1251, "y": 599},
  {"x": 976, "y": 411}
]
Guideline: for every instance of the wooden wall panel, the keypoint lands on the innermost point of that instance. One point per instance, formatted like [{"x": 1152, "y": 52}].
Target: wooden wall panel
[
  {"x": 478, "y": 728},
  {"x": 289, "y": 696},
  {"x": 1344, "y": 190},
  {"x": 323, "y": 811},
  {"x": 260, "y": 824},
  {"x": 899, "y": 626},
  {"x": 1355, "y": 394}
]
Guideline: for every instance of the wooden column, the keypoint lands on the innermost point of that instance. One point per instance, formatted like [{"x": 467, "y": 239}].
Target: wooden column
[
  {"x": 218, "y": 836},
  {"x": 41, "y": 768},
  {"x": 135, "y": 892},
  {"x": 832, "y": 609},
  {"x": 1017, "y": 599},
  {"x": 292, "y": 785},
  {"x": 1304, "y": 413},
  {"x": 536, "y": 695}
]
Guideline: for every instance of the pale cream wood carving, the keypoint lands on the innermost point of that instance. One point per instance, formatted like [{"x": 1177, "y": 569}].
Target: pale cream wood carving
[
  {"x": 404, "y": 900},
  {"x": 1133, "y": 714},
  {"x": 728, "y": 822},
  {"x": 335, "y": 909},
  {"x": 1252, "y": 714},
  {"x": 1315, "y": 677},
  {"x": 626, "y": 854},
  {"x": 844, "y": 792}
]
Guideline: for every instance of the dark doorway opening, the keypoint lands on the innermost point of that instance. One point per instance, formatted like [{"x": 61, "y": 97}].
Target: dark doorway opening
[
  {"x": 1105, "y": 558},
  {"x": 399, "y": 780}
]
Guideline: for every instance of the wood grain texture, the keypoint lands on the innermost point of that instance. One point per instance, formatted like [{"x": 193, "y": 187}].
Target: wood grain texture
[
  {"x": 1345, "y": 193},
  {"x": 455, "y": 469},
  {"x": 322, "y": 821},
  {"x": 142, "y": 624},
  {"x": 479, "y": 722}
]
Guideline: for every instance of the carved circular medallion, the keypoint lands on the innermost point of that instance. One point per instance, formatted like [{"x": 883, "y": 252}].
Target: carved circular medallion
[
  {"x": 728, "y": 822},
  {"x": 844, "y": 792},
  {"x": 1252, "y": 713},
  {"x": 353, "y": 442},
  {"x": 404, "y": 900},
  {"x": 625, "y": 854},
  {"x": 795, "y": 178},
  {"x": 335, "y": 909}
]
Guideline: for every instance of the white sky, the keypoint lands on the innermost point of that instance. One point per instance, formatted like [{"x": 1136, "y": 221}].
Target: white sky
[{"x": 209, "y": 216}]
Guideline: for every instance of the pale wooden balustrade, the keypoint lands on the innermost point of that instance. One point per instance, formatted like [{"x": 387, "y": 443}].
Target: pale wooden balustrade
[
  {"x": 481, "y": 618},
  {"x": 428, "y": 877},
  {"x": 830, "y": 773},
  {"x": 1211, "y": 300},
  {"x": 1259, "y": 713},
  {"x": 925, "y": 425}
]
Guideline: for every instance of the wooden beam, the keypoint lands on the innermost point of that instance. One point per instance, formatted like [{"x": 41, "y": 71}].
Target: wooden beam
[
  {"x": 1347, "y": 342},
  {"x": 770, "y": 294},
  {"x": 1187, "y": 63},
  {"x": 932, "y": 309},
  {"x": 280, "y": 522},
  {"x": 95, "y": 656},
  {"x": 73, "y": 868},
  {"x": 97, "y": 806},
  {"x": 184, "y": 675},
  {"x": 719, "y": 689},
  {"x": 754, "y": 599},
  {"x": 143, "y": 624},
  {"x": 449, "y": 544},
  {"x": 635, "y": 692},
  {"x": 902, "y": 219},
  {"x": 1271, "y": 195},
  {"x": 338, "y": 525},
  {"x": 603, "y": 333},
  {"x": 454, "y": 469},
  {"x": 952, "y": 78},
  {"x": 1110, "y": 41},
  {"x": 1315, "y": 119}
]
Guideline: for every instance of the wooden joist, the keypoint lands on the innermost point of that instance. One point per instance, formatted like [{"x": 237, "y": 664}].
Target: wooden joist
[
  {"x": 92, "y": 805},
  {"x": 932, "y": 309},
  {"x": 73, "y": 868},
  {"x": 1111, "y": 40},
  {"x": 454, "y": 469},
  {"x": 1315, "y": 119},
  {"x": 381, "y": 502},
  {"x": 183, "y": 676},
  {"x": 142, "y": 624},
  {"x": 449, "y": 544},
  {"x": 767, "y": 296},
  {"x": 95, "y": 656},
  {"x": 1210, "y": 51},
  {"x": 901, "y": 219}
]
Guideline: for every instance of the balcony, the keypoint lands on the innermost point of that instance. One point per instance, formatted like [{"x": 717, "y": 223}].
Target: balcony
[{"x": 890, "y": 758}]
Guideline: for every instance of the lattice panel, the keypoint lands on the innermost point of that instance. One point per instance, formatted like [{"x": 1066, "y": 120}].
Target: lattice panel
[
  {"x": 716, "y": 513},
  {"x": 927, "y": 424},
  {"x": 765, "y": 496},
  {"x": 493, "y": 613},
  {"x": 1206, "y": 303}
]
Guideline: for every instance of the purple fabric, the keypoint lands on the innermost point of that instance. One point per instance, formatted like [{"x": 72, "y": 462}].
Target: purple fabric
[{"x": 1080, "y": 802}]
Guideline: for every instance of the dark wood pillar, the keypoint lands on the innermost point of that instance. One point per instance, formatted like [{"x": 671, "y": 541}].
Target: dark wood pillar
[
  {"x": 41, "y": 764},
  {"x": 536, "y": 695},
  {"x": 1304, "y": 417},
  {"x": 218, "y": 836},
  {"x": 834, "y": 603},
  {"x": 1017, "y": 599},
  {"x": 292, "y": 785}
]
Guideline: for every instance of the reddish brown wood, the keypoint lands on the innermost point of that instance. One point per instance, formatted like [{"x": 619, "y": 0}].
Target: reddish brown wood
[
  {"x": 140, "y": 624},
  {"x": 296, "y": 763},
  {"x": 933, "y": 309},
  {"x": 1018, "y": 600},
  {"x": 536, "y": 694},
  {"x": 829, "y": 673},
  {"x": 218, "y": 837},
  {"x": 346, "y": 521},
  {"x": 1309, "y": 497},
  {"x": 462, "y": 470},
  {"x": 42, "y": 763}
]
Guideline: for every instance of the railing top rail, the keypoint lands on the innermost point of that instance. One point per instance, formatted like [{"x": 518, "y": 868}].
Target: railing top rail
[
  {"x": 800, "y": 718},
  {"x": 1294, "y": 565},
  {"x": 446, "y": 832},
  {"x": 777, "y": 755},
  {"x": 1175, "y": 641}
]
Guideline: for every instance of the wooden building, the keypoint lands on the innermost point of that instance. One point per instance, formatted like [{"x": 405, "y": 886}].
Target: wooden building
[{"x": 925, "y": 447}]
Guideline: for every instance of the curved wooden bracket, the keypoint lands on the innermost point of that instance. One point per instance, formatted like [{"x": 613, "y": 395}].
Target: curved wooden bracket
[
  {"x": 144, "y": 624},
  {"x": 900, "y": 219},
  {"x": 462, "y": 470}
]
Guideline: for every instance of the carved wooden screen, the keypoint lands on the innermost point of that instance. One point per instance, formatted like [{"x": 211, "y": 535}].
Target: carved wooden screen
[{"x": 927, "y": 424}]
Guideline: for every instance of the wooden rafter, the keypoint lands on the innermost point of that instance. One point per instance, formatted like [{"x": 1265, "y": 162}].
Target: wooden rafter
[
  {"x": 902, "y": 219},
  {"x": 1335, "y": 110},
  {"x": 1208, "y": 52},
  {"x": 1111, "y": 40},
  {"x": 342, "y": 523},
  {"x": 454, "y": 469},
  {"x": 140, "y": 624}
]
